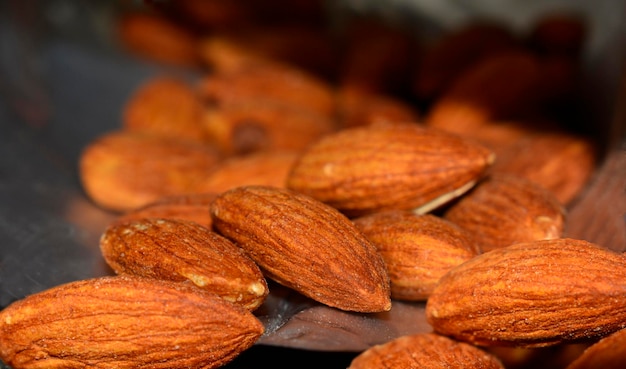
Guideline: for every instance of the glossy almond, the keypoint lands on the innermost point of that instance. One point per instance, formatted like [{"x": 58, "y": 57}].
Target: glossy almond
[
  {"x": 124, "y": 323},
  {"x": 427, "y": 351},
  {"x": 124, "y": 170},
  {"x": 532, "y": 294},
  {"x": 184, "y": 251},
  {"x": 388, "y": 166},
  {"x": 417, "y": 249},
  {"x": 305, "y": 245},
  {"x": 506, "y": 209}
]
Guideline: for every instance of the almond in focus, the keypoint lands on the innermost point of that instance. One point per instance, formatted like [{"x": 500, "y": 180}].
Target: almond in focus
[
  {"x": 184, "y": 251},
  {"x": 305, "y": 245},
  {"x": 123, "y": 323}
]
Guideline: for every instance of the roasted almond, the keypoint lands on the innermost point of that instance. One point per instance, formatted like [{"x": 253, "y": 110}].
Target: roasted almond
[
  {"x": 305, "y": 245},
  {"x": 184, "y": 251},
  {"x": 532, "y": 294},
  {"x": 427, "y": 351},
  {"x": 607, "y": 353},
  {"x": 123, "y": 170},
  {"x": 124, "y": 322},
  {"x": 506, "y": 209},
  {"x": 356, "y": 108},
  {"x": 388, "y": 166},
  {"x": 417, "y": 249}
]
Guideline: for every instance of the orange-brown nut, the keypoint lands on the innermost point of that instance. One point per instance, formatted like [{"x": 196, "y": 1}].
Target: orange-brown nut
[
  {"x": 124, "y": 322},
  {"x": 506, "y": 209},
  {"x": 123, "y": 170},
  {"x": 417, "y": 249},
  {"x": 305, "y": 245},
  {"x": 182, "y": 251}
]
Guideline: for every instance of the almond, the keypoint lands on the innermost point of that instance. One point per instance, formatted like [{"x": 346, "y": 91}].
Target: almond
[
  {"x": 427, "y": 351},
  {"x": 268, "y": 168},
  {"x": 305, "y": 245},
  {"x": 184, "y": 251},
  {"x": 607, "y": 353},
  {"x": 388, "y": 166},
  {"x": 124, "y": 322},
  {"x": 123, "y": 170},
  {"x": 532, "y": 294},
  {"x": 192, "y": 207},
  {"x": 506, "y": 209},
  {"x": 166, "y": 106},
  {"x": 417, "y": 249},
  {"x": 357, "y": 108}
]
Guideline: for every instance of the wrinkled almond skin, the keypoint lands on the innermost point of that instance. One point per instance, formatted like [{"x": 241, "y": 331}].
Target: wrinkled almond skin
[
  {"x": 417, "y": 249},
  {"x": 607, "y": 353},
  {"x": 533, "y": 294},
  {"x": 184, "y": 251},
  {"x": 305, "y": 245},
  {"x": 427, "y": 351},
  {"x": 124, "y": 323},
  {"x": 506, "y": 209},
  {"x": 388, "y": 166},
  {"x": 166, "y": 106},
  {"x": 192, "y": 207},
  {"x": 124, "y": 170}
]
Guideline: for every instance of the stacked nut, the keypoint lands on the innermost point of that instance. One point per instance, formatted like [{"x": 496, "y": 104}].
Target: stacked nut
[{"x": 356, "y": 178}]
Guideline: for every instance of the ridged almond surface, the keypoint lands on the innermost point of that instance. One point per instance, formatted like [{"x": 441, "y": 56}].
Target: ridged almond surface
[
  {"x": 507, "y": 209},
  {"x": 305, "y": 245},
  {"x": 532, "y": 294},
  {"x": 124, "y": 323},
  {"x": 388, "y": 166},
  {"x": 425, "y": 351},
  {"x": 124, "y": 170},
  {"x": 417, "y": 249},
  {"x": 184, "y": 251}
]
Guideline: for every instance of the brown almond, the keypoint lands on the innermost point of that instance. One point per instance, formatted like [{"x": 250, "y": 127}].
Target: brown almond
[
  {"x": 427, "y": 351},
  {"x": 268, "y": 168},
  {"x": 559, "y": 161},
  {"x": 192, "y": 207},
  {"x": 305, "y": 245},
  {"x": 506, "y": 209},
  {"x": 532, "y": 294},
  {"x": 123, "y": 170},
  {"x": 417, "y": 249},
  {"x": 388, "y": 166},
  {"x": 123, "y": 323},
  {"x": 184, "y": 251},
  {"x": 166, "y": 106},
  {"x": 356, "y": 108}
]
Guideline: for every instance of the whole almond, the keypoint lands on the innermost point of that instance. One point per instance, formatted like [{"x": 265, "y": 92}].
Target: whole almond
[
  {"x": 532, "y": 294},
  {"x": 192, "y": 207},
  {"x": 184, "y": 251},
  {"x": 124, "y": 170},
  {"x": 123, "y": 323},
  {"x": 506, "y": 209},
  {"x": 607, "y": 353},
  {"x": 417, "y": 249},
  {"x": 388, "y": 166},
  {"x": 305, "y": 245},
  {"x": 427, "y": 351}
]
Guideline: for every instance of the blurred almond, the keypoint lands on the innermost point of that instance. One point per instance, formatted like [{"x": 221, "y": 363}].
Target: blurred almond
[{"x": 607, "y": 353}]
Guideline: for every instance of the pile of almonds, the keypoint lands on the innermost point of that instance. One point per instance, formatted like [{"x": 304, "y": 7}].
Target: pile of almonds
[{"x": 291, "y": 163}]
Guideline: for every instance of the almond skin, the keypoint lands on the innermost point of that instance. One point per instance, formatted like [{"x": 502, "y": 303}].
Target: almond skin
[
  {"x": 305, "y": 245},
  {"x": 427, "y": 351},
  {"x": 123, "y": 323},
  {"x": 533, "y": 294},
  {"x": 388, "y": 166},
  {"x": 124, "y": 170},
  {"x": 607, "y": 353},
  {"x": 417, "y": 249},
  {"x": 506, "y": 209},
  {"x": 184, "y": 251}
]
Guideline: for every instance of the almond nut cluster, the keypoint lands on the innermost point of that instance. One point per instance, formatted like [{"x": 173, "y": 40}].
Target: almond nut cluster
[{"x": 356, "y": 172}]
